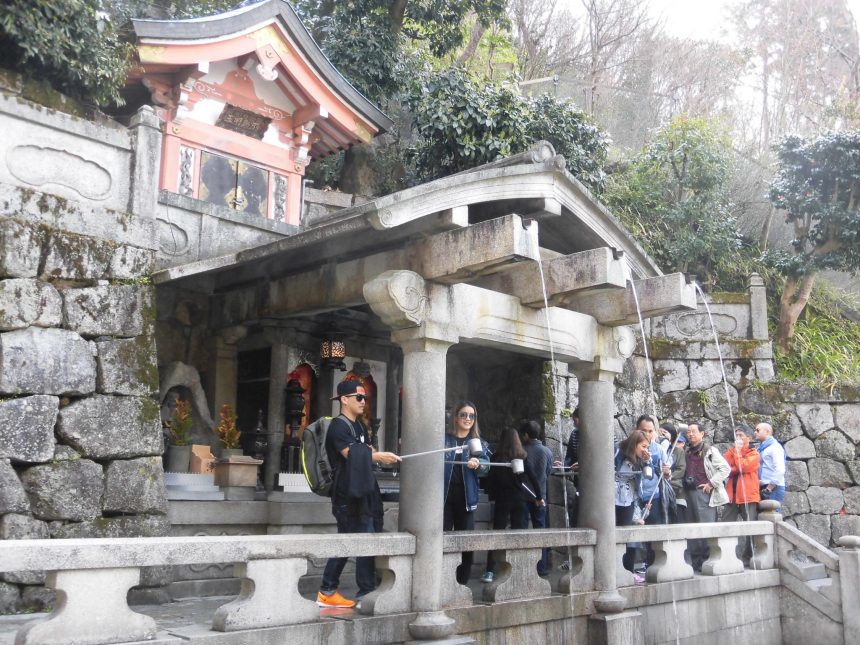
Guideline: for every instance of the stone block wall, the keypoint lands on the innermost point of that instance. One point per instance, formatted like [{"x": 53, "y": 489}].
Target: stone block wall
[{"x": 80, "y": 434}]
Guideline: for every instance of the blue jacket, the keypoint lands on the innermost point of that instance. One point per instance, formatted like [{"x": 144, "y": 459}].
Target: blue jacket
[{"x": 470, "y": 477}]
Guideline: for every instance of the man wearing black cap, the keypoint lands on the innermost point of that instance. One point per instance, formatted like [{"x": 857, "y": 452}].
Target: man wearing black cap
[{"x": 355, "y": 499}]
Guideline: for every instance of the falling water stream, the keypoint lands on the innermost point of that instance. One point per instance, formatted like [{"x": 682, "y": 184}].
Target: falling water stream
[
  {"x": 556, "y": 421},
  {"x": 648, "y": 368},
  {"x": 719, "y": 353},
  {"x": 652, "y": 393}
]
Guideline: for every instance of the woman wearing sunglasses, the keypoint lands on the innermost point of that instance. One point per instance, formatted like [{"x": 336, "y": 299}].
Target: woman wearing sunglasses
[{"x": 461, "y": 477}]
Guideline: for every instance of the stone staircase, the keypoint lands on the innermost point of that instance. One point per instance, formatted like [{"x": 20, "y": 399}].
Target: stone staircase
[{"x": 811, "y": 597}]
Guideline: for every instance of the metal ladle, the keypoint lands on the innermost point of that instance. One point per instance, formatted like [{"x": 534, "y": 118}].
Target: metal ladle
[
  {"x": 517, "y": 465},
  {"x": 474, "y": 445}
]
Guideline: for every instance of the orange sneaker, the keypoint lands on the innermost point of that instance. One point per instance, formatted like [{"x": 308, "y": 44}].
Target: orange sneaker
[{"x": 334, "y": 600}]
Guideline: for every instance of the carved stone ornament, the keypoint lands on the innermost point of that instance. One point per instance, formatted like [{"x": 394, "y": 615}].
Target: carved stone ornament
[
  {"x": 44, "y": 166},
  {"x": 624, "y": 341},
  {"x": 696, "y": 324},
  {"x": 280, "y": 198},
  {"x": 186, "y": 171},
  {"x": 398, "y": 297}
]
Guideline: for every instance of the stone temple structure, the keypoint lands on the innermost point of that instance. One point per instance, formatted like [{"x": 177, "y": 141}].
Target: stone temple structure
[{"x": 212, "y": 265}]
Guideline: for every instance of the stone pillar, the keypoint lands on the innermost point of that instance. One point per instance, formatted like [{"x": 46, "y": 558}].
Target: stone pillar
[
  {"x": 400, "y": 299},
  {"x": 597, "y": 479},
  {"x": 143, "y": 197},
  {"x": 849, "y": 580},
  {"x": 278, "y": 370},
  {"x": 421, "y": 483},
  {"x": 758, "y": 308},
  {"x": 223, "y": 369}
]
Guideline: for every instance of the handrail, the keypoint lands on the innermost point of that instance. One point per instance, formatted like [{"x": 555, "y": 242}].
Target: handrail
[
  {"x": 653, "y": 533},
  {"x": 453, "y": 542},
  {"x": 809, "y": 546},
  {"x": 102, "y": 553}
]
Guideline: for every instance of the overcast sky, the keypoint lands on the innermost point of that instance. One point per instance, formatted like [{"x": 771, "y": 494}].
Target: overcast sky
[{"x": 699, "y": 19}]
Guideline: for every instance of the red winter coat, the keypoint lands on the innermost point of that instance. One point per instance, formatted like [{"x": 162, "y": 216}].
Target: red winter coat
[{"x": 742, "y": 484}]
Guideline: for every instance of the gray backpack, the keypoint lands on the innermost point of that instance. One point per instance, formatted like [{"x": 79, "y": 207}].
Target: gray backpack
[{"x": 315, "y": 463}]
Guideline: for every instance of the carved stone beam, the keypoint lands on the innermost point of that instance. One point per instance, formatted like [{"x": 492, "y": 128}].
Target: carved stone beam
[
  {"x": 448, "y": 257},
  {"x": 657, "y": 296},
  {"x": 566, "y": 277},
  {"x": 493, "y": 319}
]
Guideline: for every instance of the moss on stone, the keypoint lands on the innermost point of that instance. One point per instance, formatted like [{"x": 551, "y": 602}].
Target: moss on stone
[
  {"x": 549, "y": 401},
  {"x": 744, "y": 348},
  {"x": 149, "y": 412},
  {"x": 663, "y": 347},
  {"x": 730, "y": 298},
  {"x": 41, "y": 93}
]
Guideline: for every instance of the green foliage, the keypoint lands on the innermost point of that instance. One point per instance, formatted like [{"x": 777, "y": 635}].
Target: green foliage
[
  {"x": 826, "y": 348},
  {"x": 673, "y": 197},
  {"x": 75, "y": 44},
  {"x": 82, "y": 46},
  {"x": 817, "y": 184},
  {"x": 367, "y": 40},
  {"x": 572, "y": 134},
  {"x": 461, "y": 123}
]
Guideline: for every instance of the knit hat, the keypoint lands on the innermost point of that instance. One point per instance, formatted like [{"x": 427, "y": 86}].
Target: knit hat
[{"x": 743, "y": 427}]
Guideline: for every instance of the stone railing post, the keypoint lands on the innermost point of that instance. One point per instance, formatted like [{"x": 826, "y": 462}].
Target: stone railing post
[
  {"x": 269, "y": 597},
  {"x": 764, "y": 551},
  {"x": 400, "y": 299},
  {"x": 147, "y": 162},
  {"x": 758, "y": 308},
  {"x": 849, "y": 580},
  {"x": 669, "y": 563},
  {"x": 517, "y": 576},
  {"x": 92, "y": 606}
]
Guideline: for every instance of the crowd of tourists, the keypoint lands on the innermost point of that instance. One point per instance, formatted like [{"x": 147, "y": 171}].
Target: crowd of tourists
[
  {"x": 667, "y": 474},
  {"x": 663, "y": 474}
]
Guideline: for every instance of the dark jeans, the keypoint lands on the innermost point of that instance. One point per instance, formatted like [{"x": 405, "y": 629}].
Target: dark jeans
[
  {"x": 742, "y": 513},
  {"x": 457, "y": 518},
  {"x": 538, "y": 517},
  {"x": 504, "y": 511},
  {"x": 350, "y": 520}
]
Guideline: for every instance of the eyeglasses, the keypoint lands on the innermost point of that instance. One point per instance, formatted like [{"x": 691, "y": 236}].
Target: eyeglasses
[
  {"x": 466, "y": 416},
  {"x": 358, "y": 397}
]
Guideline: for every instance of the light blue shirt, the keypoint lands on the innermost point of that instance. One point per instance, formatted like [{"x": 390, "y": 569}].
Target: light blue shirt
[{"x": 772, "y": 466}]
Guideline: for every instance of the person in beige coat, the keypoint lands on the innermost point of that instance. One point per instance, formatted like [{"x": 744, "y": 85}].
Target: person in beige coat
[{"x": 704, "y": 485}]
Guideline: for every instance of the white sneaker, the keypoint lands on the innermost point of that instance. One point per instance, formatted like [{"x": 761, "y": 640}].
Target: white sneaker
[{"x": 489, "y": 576}]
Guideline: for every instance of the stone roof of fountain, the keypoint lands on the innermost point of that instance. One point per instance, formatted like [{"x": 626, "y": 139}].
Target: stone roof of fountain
[{"x": 452, "y": 202}]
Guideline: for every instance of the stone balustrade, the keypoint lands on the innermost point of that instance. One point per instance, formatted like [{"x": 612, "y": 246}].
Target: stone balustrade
[
  {"x": 516, "y": 555},
  {"x": 670, "y": 541},
  {"x": 92, "y": 578}
]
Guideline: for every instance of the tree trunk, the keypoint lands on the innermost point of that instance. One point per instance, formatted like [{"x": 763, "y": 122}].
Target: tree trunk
[
  {"x": 765, "y": 228},
  {"x": 477, "y": 32},
  {"x": 792, "y": 302}
]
